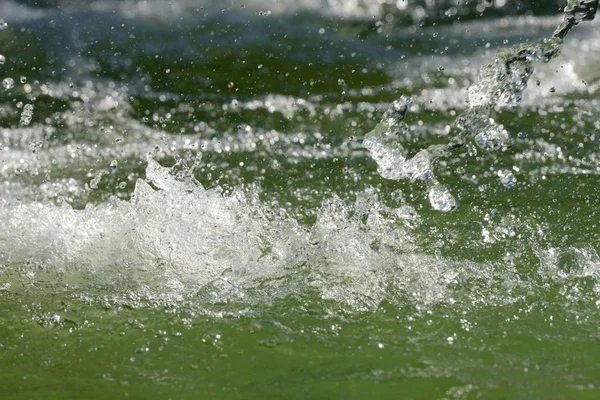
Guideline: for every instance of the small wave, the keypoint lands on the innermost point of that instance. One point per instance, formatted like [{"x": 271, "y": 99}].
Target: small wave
[
  {"x": 175, "y": 240},
  {"x": 401, "y": 10}
]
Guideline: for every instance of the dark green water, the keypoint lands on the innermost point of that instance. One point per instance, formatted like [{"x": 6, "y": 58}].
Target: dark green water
[{"x": 187, "y": 209}]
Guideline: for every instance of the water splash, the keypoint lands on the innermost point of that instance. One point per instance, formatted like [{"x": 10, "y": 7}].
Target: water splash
[
  {"x": 26, "y": 114},
  {"x": 507, "y": 178},
  {"x": 176, "y": 241},
  {"x": 179, "y": 241},
  {"x": 575, "y": 12},
  {"x": 384, "y": 144},
  {"x": 441, "y": 199},
  {"x": 500, "y": 83},
  {"x": 8, "y": 83}
]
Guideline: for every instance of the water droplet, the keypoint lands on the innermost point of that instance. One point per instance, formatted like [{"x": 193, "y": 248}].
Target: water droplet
[
  {"x": 27, "y": 114},
  {"x": 23, "y": 79},
  {"x": 2, "y": 59},
  {"x": 441, "y": 199},
  {"x": 495, "y": 137},
  {"x": 94, "y": 182},
  {"x": 8, "y": 83},
  {"x": 398, "y": 197},
  {"x": 507, "y": 178}
]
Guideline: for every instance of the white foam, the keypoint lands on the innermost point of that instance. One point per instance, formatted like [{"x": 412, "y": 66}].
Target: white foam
[{"x": 175, "y": 240}]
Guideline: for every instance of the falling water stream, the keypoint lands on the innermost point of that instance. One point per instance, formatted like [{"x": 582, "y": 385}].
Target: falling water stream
[{"x": 499, "y": 84}]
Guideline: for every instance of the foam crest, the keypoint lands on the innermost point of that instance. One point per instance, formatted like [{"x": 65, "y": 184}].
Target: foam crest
[
  {"x": 172, "y": 232},
  {"x": 360, "y": 9},
  {"x": 176, "y": 240},
  {"x": 413, "y": 10}
]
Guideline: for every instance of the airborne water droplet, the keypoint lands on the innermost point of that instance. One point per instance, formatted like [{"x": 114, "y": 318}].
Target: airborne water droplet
[
  {"x": 27, "y": 114},
  {"x": 494, "y": 137},
  {"x": 96, "y": 181},
  {"x": 441, "y": 199},
  {"x": 8, "y": 83},
  {"x": 507, "y": 178},
  {"x": 2, "y": 59}
]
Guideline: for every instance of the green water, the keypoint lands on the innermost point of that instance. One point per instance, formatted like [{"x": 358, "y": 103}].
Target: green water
[{"x": 189, "y": 212}]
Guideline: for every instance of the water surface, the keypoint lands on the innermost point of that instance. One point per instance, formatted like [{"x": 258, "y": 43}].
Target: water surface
[{"x": 187, "y": 209}]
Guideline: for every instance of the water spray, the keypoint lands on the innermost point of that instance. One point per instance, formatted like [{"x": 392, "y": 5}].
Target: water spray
[
  {"x": 575, "y": 12},
  {"x": 500, "y": 83}
]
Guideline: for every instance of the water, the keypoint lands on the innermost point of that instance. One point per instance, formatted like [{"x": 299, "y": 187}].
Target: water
[{"x": 316, "y": 199}]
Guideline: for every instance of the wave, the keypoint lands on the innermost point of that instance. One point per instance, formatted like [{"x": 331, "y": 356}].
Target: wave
[
  {"x": 177, "y": 242},
  {"x": 403, "y": 11}
]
